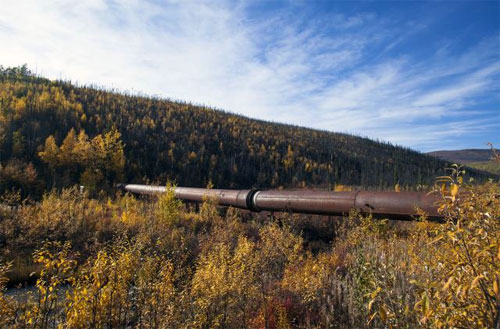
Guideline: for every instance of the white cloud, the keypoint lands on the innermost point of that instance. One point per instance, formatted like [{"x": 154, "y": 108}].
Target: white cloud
[{"x": 274, "y": 69}]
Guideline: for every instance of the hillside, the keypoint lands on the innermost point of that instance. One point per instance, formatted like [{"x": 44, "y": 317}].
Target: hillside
[
  {"x": 97, "y": 137},
  {"x": 489, "y": 166},
  {"x": 465, "y": 156},
  {"x": 480, "y": 159}
]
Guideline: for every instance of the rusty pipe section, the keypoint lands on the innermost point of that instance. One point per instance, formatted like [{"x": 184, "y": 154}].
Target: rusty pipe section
[
  {"x": 235, "y": 198},
  {"x": 392, "y": 205}
]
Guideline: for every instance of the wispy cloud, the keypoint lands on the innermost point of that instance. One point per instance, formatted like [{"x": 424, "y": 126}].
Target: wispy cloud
[{"x": 338, "y": 72}]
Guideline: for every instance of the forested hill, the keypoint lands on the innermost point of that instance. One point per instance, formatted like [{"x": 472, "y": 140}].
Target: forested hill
[{"x": 55, "y": 134}]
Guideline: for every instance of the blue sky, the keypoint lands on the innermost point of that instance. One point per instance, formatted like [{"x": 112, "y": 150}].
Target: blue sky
[{"x": 420, "y": 74}]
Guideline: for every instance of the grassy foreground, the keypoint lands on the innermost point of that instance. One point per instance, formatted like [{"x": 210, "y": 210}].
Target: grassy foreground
[{"x": 124, "y": 262}]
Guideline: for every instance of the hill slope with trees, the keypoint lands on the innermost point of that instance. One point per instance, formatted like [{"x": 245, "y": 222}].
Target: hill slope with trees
[{"x": 56, "y": 134}]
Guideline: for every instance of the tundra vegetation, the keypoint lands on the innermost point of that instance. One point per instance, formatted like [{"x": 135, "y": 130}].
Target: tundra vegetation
[{"x": 121, "y": 262}]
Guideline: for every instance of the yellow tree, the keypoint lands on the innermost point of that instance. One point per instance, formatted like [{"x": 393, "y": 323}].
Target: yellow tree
[
  {"x": 83, "y": 149},
  {"x": 67, "y": 149},
  {"x": 109, "y": 155},
  {"x": 50, "y": 153}
]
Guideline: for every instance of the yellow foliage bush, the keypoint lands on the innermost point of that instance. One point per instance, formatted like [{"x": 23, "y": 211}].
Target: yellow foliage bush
[
  {"x": 7, "y": 304},
  {"x": 459, "y": 287},
  {"x": 135, "y": 263},
  {"x": 224, "y": 286},
  {"x": 102, "y": 292},
  {"x": 452, "y": 269}
]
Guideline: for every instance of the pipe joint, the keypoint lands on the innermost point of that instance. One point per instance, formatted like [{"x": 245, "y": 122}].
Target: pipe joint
[{"x": 251, "y": 201}]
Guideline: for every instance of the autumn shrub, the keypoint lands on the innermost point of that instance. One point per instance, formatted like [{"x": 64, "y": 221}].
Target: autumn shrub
[
  {"x": 101, "y": 295},
  {"x": 151, "y": 263},
  {"x": 7, "y": 304},
  {"x": 57, "y": 264},
  {"x": 319, "y": 287},
  {"x": 17, "y": 175},
  {"x": 64, "y": 216},
  {"x": 234, "y": 283},
  {"x": 168, "y": 208},
  {"x": 224, "y": 285},
  {"x": 159, "y": 303},
  {"x": 443, "y": 275},
  {"x": 167, "y": 229},
  {"x": 428, "y": 275},
  {"x": 119, "y": 287},
  {"x": 461, "y": 258},
  {"x": 128, "y": 210},
  {"x": 41, "y": 308},
  {"x": 381, "y": 282}
]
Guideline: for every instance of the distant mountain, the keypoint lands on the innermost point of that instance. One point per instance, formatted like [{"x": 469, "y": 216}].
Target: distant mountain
[
  {"x": 56, "y": 134},
  {"x": 465, "y": 156}
]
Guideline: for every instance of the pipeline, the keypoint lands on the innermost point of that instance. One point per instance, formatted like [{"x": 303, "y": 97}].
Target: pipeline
[{"x": 391, "y": 205}]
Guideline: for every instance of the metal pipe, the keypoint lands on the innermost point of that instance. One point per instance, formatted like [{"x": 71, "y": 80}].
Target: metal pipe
[{"x": 391, "y": 205}]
